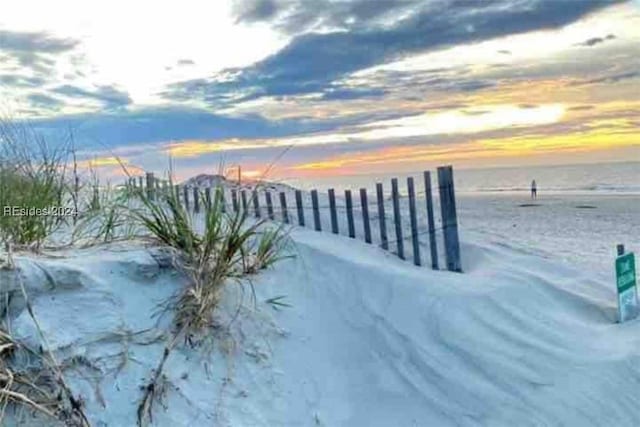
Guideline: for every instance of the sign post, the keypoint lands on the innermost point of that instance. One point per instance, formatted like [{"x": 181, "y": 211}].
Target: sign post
[{"x": 626, "y": 284}]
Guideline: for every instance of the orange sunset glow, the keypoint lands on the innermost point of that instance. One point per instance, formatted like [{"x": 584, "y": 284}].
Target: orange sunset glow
[{"x": 547, "y": 91}]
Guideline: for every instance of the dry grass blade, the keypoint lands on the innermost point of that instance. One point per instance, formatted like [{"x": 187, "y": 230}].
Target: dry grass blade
[
  {"x": 74, "y": 412},
  {"x": 17, "y": 388}
]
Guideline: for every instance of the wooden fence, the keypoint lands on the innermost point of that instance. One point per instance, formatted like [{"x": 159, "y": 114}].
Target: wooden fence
[{"x": 421, "y": 216}]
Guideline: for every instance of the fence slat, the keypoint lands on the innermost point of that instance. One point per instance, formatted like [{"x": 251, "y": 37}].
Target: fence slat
[
  {"x": 396, "y": 217},
  {"x": 350, "y": 224},
  {"x": 140, "y": 182},
  {"x": 300, "y": 208},
  {"x": 414, "y": 221},
  {"x": 207, "y": 197},
  {"x": 234, "y": 199},
  {"x": 449, "y": 218},
  {"x": 365, "y": 214},
  {"x": 176, "y": 189},
  {"x": 316, "y": 210},
  {"x": 245, "y": 206},
  {"x": 223, "y": 202},
  {"x": 382, "y": 219},
  {"x": 150, "y": 186},
  {"x": 333, "y": 212},
  {"x": 267, "y": 196},
  {"x": 433, "y": 246},
  {"x": 256, "y": 203},
  {"x": 185, "y": 194},
  {"x": 196, "y": 199},
  {"x": 283, "y": 207}
]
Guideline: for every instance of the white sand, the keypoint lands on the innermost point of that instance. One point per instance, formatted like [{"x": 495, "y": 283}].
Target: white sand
[
  {"x": 369, "y": 340},
  {"x": 581, "y": 230}
]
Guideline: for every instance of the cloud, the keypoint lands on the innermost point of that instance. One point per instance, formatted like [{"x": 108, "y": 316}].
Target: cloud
[
  {"x": 34, "y": 50},
  {"x": 17, "y": 80},
  {"x": 348, "y": 93},
  {"x": 43, "y": 101},
  {"x": 256, "y": 10},
  {"x": 312, "y": 62},
  {"x": 108, "y": 95},
  {"x": 11, "y": 41},
  {"x": 609, "y": 78},
  {"x": 596, "y": 40},
  {"x": 298, "y": 16},
  {"x": 581, "y": 108},
  {"x": 161, "y": 125}
]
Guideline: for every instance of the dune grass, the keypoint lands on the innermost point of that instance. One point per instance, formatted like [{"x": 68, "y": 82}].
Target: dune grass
[
  {"x": 217, "y": 248},
  {"x": 213, "y": 250},
  {"x": 32, "y": 177}
]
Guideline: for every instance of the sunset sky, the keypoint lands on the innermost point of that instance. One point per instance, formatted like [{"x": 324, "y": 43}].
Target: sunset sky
[{"x": 326, "y": 87}]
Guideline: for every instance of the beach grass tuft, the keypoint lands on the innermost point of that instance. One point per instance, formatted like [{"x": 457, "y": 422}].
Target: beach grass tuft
[{"x": 32, "y": 181}]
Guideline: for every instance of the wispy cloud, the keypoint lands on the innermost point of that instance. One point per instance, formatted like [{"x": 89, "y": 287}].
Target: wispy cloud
[{"x": 109, "y": 96}]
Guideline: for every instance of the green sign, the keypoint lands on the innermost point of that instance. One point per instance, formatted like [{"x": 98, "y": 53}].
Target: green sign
[{"x": 626, "y": 282}]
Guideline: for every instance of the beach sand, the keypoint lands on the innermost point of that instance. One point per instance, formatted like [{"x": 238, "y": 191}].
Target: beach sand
[
  {"x": 526, "y": 336},
  {"x": 577, "y": 229}
]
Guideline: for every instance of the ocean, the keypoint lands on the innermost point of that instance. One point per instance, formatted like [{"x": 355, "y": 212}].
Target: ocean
[{"x": 603, "y": 178}]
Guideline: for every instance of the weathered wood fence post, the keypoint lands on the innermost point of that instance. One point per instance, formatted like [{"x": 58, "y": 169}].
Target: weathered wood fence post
[
  {"x": 256, "y": 203},
  {"x": 185, "y": 195},
  {"x": 140, "y": 183},
  {"x": 414, "y": 221},
  {"x": 150, "y": 186},
  {"x": 332, "y": 211},
  {"x": 219, "y": 192},
  {"x": 449, "y": 218},
  {"x": 316, "y": 210},
  {"x": 300, "y": 208},
  {"x": 364, "y": 204},
  {"x": 196, "y": 200},
  {"x": 245, "y": 205},
  {"x": 207, "y": 197},
  {"x": 433, "y": 246},
  {"x": 382, "y": 219},
  {"x": 176, "y": 189},
  {"x": 283, "y": 207},
  {"x": 267, "y": 196},
  {"x": 395, "y": 196},
  {"x": 234, "y": 199},
  {"x": 350, "y": 224}
]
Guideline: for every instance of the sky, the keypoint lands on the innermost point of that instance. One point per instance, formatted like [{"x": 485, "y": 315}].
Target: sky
[{"x": 316, "y": 88}]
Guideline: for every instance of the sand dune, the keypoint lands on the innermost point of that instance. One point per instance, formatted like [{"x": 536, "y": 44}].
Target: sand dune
[{"x": 368, "y": 339}]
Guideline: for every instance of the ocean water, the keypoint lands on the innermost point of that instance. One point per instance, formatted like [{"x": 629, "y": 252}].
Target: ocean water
[{"x": 604, "y": 178}]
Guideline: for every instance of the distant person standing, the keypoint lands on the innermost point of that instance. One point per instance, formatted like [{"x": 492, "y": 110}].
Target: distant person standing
[{"x": 534, "y": 189}]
